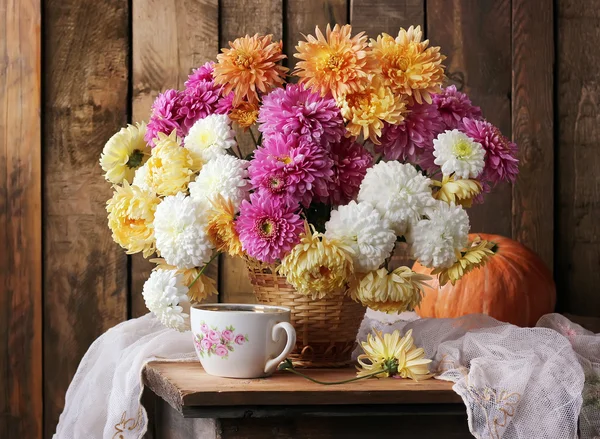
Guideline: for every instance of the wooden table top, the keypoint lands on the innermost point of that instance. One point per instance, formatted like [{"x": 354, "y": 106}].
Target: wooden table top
[{"x": 187, "y": 385}]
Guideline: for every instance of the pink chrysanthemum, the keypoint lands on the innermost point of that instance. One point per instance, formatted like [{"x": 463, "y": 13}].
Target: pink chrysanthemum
[
  {"x": 225, "y": 104},
  {"x": 501, "y": 163},
  {"x": 412, "y": 138},
  {"x": 197, "y": 102},
  {"x": 350, "y": 163},
  {"x": 453, "y": 106},
  {"x": 291, "y": 169},
  {"x": 296, "y": 110},
  {"x": 202, "y": 73},
  {"x": 165, "y": 116},
  {"x": 268, "y": 228},
  {"x": 179, "y": 110}
]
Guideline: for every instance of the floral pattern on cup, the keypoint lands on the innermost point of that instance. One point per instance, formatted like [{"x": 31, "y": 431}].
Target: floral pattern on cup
[{"x": 212, "y": 341}]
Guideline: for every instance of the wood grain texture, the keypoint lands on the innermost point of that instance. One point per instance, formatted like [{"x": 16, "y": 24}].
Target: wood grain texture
[
  {"x": 171, "y": 425},
  {"x": 187, "y": 385},
  {"x": 532, "y": 125},
  {"x": 238, "y": 18},
  {"x": 85, "y": 102},
  {"x": 302, "y": 16},
  {"x": 20, "y": 221},
  {"x": 578, "y": 184},
  {"x": 376, "y": 16},
  {"x": 475, "y": 36},
  {"x": 170, "y": 38}
]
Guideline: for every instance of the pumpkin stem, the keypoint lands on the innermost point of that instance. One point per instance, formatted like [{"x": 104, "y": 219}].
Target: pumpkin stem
[{"x": 494, "y": 248}]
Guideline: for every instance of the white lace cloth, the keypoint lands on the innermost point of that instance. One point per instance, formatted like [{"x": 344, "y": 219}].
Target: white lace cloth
[{"x": 516, "y": 383}]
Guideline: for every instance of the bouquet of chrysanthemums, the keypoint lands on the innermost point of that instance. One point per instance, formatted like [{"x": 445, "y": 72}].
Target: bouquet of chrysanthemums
[{"x": 367, "y": 149}]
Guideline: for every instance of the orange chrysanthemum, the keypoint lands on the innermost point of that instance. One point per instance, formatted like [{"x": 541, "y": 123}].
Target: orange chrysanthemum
[
  {"x": 250, "y": 66},
  {"x": 245, "y": 114},
  {"x": 338, "y": 63},
  {"x": 221, "y": 227},
  {"x": 367, "y": 110},
  {"x": 408, "y": 65}
]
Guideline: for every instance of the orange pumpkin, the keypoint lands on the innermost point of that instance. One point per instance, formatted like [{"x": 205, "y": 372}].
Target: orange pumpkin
[{"x": 514, "y": 286}]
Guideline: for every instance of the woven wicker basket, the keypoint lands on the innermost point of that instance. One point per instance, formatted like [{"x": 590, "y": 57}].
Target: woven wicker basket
[{"x": 326, "y": 329}]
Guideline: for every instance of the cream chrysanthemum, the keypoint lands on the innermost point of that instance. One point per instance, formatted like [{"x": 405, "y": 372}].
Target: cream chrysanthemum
[
  {"x": 125, "y": 152},
  {"x": 437, "y": 241},
  {"x": 408, "y": 65},
  {"x": 399, "y": 192},
  {"x": 456, "y": 153},
  {"x": 359, "y": 227},
  {"x": 224, "y": 175},
  {"x": 221, "y": 227},
  {"x": 130, "y": 218},
  {"x": 472, "y": 257},
  {"x": 316, "y": 266},
  {"x": 169, "y": 168},
  {"x": 457, "y": 191},
  {"x": 392, "y": 355},
  {"x": 336, "y": 63},
  {"x": 391, "y": 292},
  {"x": 209, "y": 138},
  {"x": 180, "y": 231},
  {"x": 199, "y": 288},
  {"x": 366, "y": 110},
  {"x": 165, "y": 295}
]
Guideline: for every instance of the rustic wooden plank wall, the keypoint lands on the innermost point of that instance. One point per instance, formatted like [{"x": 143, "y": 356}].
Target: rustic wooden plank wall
[
  {"x": 21, "y": 403},
  {"x": 86, "y": 73},
  {"x": 577, "y": 116},
  {"x": 530, "y": 64}
]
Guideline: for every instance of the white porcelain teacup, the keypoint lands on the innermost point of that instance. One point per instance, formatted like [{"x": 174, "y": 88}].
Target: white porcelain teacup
[{"x": 241, "y": 341}]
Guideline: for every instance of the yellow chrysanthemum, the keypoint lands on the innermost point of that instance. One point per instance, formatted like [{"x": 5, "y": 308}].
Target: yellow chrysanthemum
[
  {"x": 199, "y": 288},
  {"x": 367, "y": 110},
  {"x": 245, "y": 115},
  {"x": 130, "y": 218},
  {"x": 250, "y": 66},
  {"x": 221, "y": 227},
  {"x": 170, "y": 167},
  {"x": 336, "y": 63},
  {"x": 392, "y": 355},
  {"x": 472, "y": 257},
  {"x": 398, "y": 291},
  {"x": 124, "y": 152},
  {"x": 317, "y": 266},
  {"x": 457, "y": 191},
  {"x": 408, "y": 65}
]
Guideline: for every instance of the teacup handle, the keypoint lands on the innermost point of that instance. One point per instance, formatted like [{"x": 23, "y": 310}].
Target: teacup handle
[{"x": 289, "y": 346}]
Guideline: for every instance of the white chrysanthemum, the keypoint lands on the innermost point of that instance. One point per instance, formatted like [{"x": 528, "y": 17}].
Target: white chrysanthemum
[
  {"x": 436, "y": 241},
  {"x": 399, "y": 192},
  {"x": 359, "y": 226},
  {"x": 166, "y": 296},
  {"x": 180, "y": 232},
  {"x": 210, "y": 137},
  {"x": 139, "y": 179},
  {"x": 457, "y": 153},
  {"x": 225, "y": 175}
]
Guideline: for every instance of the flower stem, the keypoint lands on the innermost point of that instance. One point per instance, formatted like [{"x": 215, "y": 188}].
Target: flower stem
[
  {"x": 203, "y": 268},
  {"x": 253, "y": 137},
  {"x": 237, "y": 145},
  {"x": 287, "y": 366}
]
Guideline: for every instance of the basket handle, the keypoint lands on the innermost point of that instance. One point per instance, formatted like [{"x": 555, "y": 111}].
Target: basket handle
[{"x": 289, "y": 346}]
